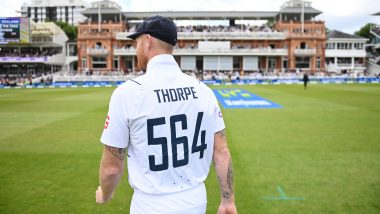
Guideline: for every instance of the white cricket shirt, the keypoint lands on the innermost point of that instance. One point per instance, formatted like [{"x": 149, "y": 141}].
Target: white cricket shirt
[{"x": 167, "y": 120}]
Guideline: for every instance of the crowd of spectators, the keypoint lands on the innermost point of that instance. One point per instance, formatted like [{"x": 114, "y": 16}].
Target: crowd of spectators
[
  {"x": 373, "y": 55},
  {"x": 14, "y": 81},
  {"x": 374, "y": 58},
  {"x": 223, "y": 28},
  {"x": 219, "y": 28},
  {"x": 273, "y": 74},
  {"x": 29, "y": 52},
  {"x": 24, "y": 80},
  {"x": 195, "y": 46}
]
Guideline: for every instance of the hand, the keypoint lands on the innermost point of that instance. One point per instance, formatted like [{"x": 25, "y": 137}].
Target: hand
[
  {"x": 225, "y": 208},
  {"x": 99, "y": 196}
]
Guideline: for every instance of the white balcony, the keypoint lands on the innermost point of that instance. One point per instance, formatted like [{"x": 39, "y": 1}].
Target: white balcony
[
  {"x": 235, "y": 52},
  {"x": 124, "y": 51},
  {"x": 345, "y": 53},
  {"x": 213, "y": 52},
  {"x": 232, "y": 35},
  {"x": 97, "y": 51},
  {"x": 57, "y": 59},
  {"x": 220, "y": 35},
  {"x": 43, "y": 59},
  {"x": 345, "y": 65},
  {"x": 305, "y": 52},
  {"x": 359, "y": 65},
  {"x": 350, "y": 65}
]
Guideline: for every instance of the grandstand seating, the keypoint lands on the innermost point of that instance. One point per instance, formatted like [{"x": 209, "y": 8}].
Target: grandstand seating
[{"x": 29, "y": 52}]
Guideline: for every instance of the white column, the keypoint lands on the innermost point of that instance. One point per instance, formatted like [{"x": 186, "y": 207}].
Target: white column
[
  {"x": 282, "y": 64},
  {"x": 133, "y": 65},
  {"x": 353, "y": 62}
]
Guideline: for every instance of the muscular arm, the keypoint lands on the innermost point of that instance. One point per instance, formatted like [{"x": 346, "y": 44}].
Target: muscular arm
[
  {"x": 223, "y": 167},
  {"x": 111, "y": 170}
]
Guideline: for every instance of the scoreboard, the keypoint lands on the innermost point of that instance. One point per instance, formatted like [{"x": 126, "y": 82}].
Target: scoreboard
[{"x": 14, "y": 31}]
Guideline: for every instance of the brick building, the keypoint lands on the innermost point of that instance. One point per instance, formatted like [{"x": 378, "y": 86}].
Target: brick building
[{"x": 292, "y": 40}]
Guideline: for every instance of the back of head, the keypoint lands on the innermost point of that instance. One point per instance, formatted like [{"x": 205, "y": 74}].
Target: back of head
[{"x": 158, "y": 27}]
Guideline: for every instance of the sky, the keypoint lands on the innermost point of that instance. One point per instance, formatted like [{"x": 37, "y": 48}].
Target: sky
[{"x": 343, "y": 15}]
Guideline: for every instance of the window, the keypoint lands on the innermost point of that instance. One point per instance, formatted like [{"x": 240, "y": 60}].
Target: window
[
  {"x": 116, "y": 63},
  {"x": 99, "y": 62},
  {"x": 285, "y": 63},
  {"x": 272, "y": 63},
  {"x": 302, "y": 62},
  {"x": 318, "y": 63},
  {"x": 84, "y": 62}
]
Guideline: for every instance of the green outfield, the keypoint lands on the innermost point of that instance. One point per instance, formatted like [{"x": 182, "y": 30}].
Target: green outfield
[{"x": 320, "y": 153}]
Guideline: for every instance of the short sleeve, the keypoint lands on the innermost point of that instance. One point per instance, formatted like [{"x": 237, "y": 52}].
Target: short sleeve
[
  {"x": 218, "y": 117},
  {"x": 116, "y": 130}
]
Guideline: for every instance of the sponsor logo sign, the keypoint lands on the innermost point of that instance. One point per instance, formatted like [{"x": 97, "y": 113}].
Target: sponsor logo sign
[{"x": 239, "y": 98}]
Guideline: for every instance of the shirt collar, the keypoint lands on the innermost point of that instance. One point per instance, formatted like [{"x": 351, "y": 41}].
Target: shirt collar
[{"x": 161, "y": 60}]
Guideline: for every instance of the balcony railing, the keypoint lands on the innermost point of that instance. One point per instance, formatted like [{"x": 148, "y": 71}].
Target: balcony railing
[
  {"x": 106, "y": 35},
  {"x": 233, "y": 35},
  {"x": 345, "y": 53},
  {"x": 306, "y": 35},
  {"x": 97, "y": 51},
  {"x": 359, "y": 65},
  {"x": 345, "y": 65},
  {"x": 43, "y": 59},
  {"x": 305, "y": 52},
  {"x": 241, "y": 52},
  {"x": 221, "y": 35}
]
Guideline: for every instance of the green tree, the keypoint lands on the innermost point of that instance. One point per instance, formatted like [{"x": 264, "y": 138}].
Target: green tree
[
  {"x": 327, "y": 30},
  {"x": 70, "y": 31},
  {"x": 365, "y": 31}
]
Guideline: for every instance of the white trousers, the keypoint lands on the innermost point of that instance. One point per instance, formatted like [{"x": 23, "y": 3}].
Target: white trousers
[{"x": 193, "y": 201}]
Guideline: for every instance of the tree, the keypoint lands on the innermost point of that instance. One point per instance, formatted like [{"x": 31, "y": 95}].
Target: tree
[
  {"x": 327, "y": 30},
  {"x": 70, "y": 31},
  {"x": 365, "y": 31}
]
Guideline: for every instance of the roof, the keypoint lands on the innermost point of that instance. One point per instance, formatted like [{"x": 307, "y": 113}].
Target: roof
[
  {"x": 90, "y": 11},
  {"x": 307, "y": 10},
  {"x": 204, "y": 15},
  {"x": 340, "y": 35}
]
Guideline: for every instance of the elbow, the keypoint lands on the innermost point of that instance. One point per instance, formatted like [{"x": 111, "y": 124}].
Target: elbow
[{"x": 221, "y": 155}]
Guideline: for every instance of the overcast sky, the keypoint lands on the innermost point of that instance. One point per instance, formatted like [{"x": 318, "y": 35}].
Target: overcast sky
[{"x": 343, "y": 15}]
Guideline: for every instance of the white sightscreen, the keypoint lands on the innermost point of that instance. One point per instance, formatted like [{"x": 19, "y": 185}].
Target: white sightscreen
[
  {"x": 216, "y": 63},
  {"x": 188, "y": 63},
  {"x": 210, "y": 63},
  {"x": 250, "y": 63},
  {"x": 225, "y": 63}
]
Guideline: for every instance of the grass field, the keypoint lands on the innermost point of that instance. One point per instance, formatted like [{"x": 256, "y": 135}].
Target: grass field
[{"x": 318, "y": 154}]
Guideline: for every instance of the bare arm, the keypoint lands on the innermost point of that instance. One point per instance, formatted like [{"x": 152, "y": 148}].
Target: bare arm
[
  {"x": 111, "y": 170},
  {"x": 223, "y": 167}
]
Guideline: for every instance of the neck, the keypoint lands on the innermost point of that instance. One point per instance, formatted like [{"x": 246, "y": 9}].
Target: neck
[{"x": 158, "y": 52}]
